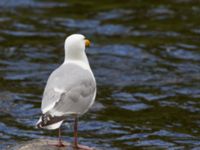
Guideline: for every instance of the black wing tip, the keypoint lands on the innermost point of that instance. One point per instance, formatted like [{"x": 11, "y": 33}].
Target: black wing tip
[{"x": 47, "y": 119}]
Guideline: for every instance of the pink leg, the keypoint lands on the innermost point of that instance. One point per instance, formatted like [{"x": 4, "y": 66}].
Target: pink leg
[
  {"x": 76, "y": 131},
  {"x": 76, "y": 145},
  {"x": 60, "y": 144}
]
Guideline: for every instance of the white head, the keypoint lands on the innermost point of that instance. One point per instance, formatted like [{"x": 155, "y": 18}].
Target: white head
[{"x": 75, "y": 47}]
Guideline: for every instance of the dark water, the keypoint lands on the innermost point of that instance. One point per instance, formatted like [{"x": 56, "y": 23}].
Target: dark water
[{"x": 145, "y": 57}]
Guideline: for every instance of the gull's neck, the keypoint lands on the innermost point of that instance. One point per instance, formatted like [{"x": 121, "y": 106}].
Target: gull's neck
[
  {"x": 82, "y": 58},
  {"x": 76, "y": 58}
]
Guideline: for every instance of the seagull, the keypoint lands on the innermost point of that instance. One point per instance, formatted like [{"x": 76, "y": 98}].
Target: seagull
[{"x": 70, "y": 89}]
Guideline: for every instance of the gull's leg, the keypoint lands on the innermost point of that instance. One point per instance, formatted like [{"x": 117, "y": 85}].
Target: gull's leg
[
  {"x": 76, "y": 131},
  {"x": 60, "y": 144},
  {"x": 76, "y": 145}
]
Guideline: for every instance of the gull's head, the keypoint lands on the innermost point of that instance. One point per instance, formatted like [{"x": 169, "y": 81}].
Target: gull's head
[{"x": 76, "y": 43}]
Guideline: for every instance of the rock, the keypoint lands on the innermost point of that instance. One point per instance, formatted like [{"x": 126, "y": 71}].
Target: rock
[{"x": 45, "y": 144}]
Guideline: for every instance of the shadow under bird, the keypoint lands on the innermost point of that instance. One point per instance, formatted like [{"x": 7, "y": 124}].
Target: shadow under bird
[{"x": 70, "y": 89}]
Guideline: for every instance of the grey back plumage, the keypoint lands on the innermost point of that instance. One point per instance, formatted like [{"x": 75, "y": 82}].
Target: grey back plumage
[{"x": 70, "y": 89}]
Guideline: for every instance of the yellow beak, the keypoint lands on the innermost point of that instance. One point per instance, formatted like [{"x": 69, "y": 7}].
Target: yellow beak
[{"x": 87, "y": 43}]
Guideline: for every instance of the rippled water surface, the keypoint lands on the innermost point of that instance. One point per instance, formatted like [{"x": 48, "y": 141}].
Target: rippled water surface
[{"x": 145, "y": 57}]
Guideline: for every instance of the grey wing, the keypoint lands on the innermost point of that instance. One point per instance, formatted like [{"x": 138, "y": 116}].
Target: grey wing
[
  {"x": 50, "y": 97},
  {"x": 77, "y": 100},
  {"x": 71, "y": 93}
]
